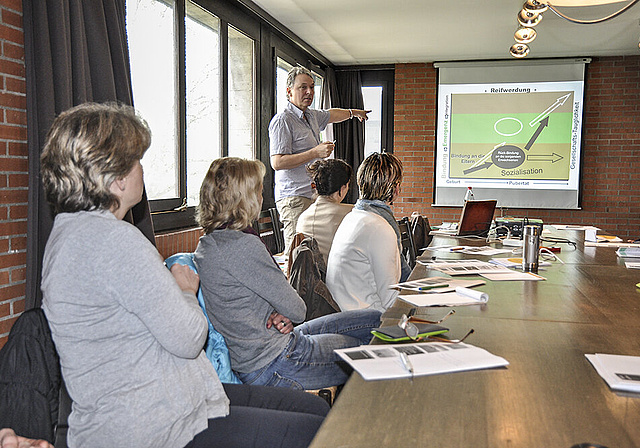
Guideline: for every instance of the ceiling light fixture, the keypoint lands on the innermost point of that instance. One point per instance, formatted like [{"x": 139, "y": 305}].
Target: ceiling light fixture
[{"x": 531, "y": 14}]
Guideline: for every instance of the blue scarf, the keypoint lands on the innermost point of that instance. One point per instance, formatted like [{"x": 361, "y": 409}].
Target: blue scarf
[{"x": 382, "y": 209}]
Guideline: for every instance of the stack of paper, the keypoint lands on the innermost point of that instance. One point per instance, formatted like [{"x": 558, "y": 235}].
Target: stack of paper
[
  {"x": 461, "y": 296},
  {"x": 620, "y": 372},
  {"x": 379, "y": 362},
  {"x": 462, "y": 267},
  {"x": 628, "y": 252}
]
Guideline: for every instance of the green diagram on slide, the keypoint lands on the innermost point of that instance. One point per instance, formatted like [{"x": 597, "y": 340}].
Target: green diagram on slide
[{"x": 511, "y": 136}]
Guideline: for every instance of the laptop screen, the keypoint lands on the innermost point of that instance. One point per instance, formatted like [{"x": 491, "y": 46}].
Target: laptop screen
[{"x": 476, "y": 217}]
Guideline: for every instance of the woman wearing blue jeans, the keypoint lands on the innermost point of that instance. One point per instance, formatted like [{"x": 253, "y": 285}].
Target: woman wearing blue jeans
[{"x": 249, "y": 300}]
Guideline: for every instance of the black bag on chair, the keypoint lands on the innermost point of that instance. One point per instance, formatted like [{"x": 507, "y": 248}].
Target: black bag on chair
[
  {"x": 420, "y": 228},
  {"x": 30, "y": 378}
]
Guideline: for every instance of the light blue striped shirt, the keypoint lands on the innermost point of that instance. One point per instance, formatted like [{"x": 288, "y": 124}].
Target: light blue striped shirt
[{"x": 290, "y": 133}]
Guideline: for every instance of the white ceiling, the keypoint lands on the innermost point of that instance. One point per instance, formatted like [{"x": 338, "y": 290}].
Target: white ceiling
[{"x": 349, "y": 32}]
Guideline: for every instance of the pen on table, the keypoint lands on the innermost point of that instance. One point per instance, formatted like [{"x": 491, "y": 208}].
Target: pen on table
[
  {"x": 455, "y": 249},
  {"x": 425, "y": 288},
  {"x": 406, "y": 363}
]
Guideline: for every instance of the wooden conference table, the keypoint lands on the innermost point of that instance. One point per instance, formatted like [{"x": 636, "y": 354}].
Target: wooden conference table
[{"x": 549, "y": 395}]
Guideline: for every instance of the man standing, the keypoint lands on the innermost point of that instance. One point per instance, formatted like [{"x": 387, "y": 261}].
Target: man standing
[{"x": 294, "y": 136}]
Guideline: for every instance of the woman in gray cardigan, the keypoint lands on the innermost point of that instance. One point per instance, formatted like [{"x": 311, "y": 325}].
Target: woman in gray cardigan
[
  {"x": 249, "y": 300},
  {"x": 128, "y": 331}
]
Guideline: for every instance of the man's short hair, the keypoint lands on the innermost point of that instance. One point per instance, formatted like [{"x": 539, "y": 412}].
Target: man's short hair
[
  {"x": 293, "y": 73},
  {"x": 379, "y": 176},
  {"x": 89, "y": 147},
  {"x": 230, "y": 194}
]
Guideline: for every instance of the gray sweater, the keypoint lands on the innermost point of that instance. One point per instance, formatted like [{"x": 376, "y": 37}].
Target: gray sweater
[
  {"x": 130, "y": 341},
  {"x": 242, "y": 286}
]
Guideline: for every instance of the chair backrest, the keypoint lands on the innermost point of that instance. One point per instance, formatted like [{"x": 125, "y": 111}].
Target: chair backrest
[
  {"x": 269, "y": 228},
  {"x": 278, "y": 229},
  {"x": 408, "y": 245}
]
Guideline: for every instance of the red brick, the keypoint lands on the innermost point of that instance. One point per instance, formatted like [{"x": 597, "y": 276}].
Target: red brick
[
  {"x": 18, "y": 275},
  {"x": 13, "y": 228},
  {"x": 17, "y": 149},
  {"x": 11, "y": 99},
  {"x": 13, "y": 196},
  {"x": 18, "y": 180},
  {"x": 13, "y": 132},
  {"x": 17, "y": 85},
  {"x": 4, "y": 280},
  {"x": 11, "y": 34},
  {"x": 18, "y": 212},
  {"x": 11, "y": 18},
  {"x": 16, "y": 117},
  {"x": 6, "y": 324},
  {"x": 19, "y": 243},
  {"x": 15, "y": 5},
  {"x": 18, "y": 306}
]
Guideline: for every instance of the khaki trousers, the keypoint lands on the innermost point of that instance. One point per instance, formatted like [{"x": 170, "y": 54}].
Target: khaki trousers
[{"x": 290, "y": 210}]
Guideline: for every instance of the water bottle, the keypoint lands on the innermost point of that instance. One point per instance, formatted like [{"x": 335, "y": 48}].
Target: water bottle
[
  {"x": 468, "y": 195},
  {"x": 530, "y": 248}
]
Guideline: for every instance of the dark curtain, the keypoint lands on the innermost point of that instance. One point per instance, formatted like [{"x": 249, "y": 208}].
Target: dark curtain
[
  {"x": 349, "y": 135},
  {"x": 75, "y": 51}
]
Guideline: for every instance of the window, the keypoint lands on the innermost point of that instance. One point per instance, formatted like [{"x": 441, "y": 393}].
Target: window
[
  {"x": 193, "y": 76},
  {"x": 150, "y": 34},
  {"x": 373, "y": 126},
  {"x": 377, "y": 91}
]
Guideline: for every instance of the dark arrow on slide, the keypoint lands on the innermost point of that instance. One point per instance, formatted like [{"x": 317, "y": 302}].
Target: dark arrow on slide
[
  {"x": 483, "y": 166},
  {"x": 553, "y": 157},
  {"x": 543, "y": 123}
]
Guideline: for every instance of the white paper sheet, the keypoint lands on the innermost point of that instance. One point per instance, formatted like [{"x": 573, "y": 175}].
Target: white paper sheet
[
  {"x": 379, "y": 362},
  {"x": 619, "y": 371},
  {"x": 513, "y": 276},
  {"x": 460, "y": 297}
]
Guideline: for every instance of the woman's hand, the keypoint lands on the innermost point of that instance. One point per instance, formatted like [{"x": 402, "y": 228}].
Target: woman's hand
[
  {"x": 187, "y": 280},
  {"x": 9, "y": 439},
  {"x": 281, "y": 323}
]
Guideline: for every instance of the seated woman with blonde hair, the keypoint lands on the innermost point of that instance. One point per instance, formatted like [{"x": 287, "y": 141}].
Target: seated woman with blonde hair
[
  {"x": 248, "y": 298},
  {"x": 331, "y": 179}
]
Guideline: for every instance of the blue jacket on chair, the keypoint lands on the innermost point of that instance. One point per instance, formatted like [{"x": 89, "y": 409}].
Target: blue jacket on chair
[{"x": 215, "y": 347}]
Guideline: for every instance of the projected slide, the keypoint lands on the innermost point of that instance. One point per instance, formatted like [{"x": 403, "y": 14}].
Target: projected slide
[{"x": 514, "y": 136}]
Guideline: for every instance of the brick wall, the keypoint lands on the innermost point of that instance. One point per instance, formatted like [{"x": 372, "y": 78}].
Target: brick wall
[
  {"x": 181, "y": 241},
  {"x": 13, "y": 166},
  {"x": 611, "y": 147}
]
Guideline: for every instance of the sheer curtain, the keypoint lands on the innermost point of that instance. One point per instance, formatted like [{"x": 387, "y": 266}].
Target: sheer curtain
[{"x": 75, "y": 51}]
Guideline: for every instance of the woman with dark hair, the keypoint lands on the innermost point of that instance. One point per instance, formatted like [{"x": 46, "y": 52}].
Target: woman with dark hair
[
  {"x": 249, "y": 300},
  {"x": 331, "y": 179},
  {"x": 129, "y": 332}
]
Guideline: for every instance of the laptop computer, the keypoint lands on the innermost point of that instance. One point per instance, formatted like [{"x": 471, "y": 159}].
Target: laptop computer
[{"x": 475, "y": 219}]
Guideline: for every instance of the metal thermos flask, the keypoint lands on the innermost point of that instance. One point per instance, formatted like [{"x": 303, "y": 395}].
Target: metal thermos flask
[{"x": 530, "y": 248}]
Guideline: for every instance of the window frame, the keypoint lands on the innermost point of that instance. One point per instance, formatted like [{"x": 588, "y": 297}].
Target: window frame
[
  {"x": 385, "y": 78},
  {"x": 173, "y": 213},
  {"x": 269, "y": 37}
]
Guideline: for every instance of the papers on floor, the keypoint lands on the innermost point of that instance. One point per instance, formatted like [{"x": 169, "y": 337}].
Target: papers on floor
[
  {"x": 461, "y": 296},
  {"x": 378, "y": 362},
  {"x": 620, "y": 372}
]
